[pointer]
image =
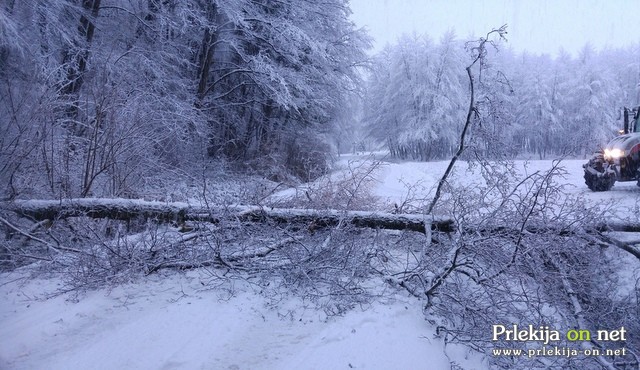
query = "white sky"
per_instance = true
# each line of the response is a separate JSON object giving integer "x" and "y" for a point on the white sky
{"x": 539, "y": 26}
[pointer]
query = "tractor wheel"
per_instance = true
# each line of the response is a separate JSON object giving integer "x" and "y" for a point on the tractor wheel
{"x": 598, "y": 183}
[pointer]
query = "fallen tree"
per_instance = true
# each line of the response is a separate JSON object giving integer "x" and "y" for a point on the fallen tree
{"x": 629, "y": 227}
{"x": 130, "y": 209}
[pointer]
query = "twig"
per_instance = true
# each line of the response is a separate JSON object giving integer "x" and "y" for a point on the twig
{"x": 34, "y": 238}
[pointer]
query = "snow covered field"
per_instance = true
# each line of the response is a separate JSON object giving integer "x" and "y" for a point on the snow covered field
{"x": 183, "y": 321}
{"x": 395, "y": 177}
{"x": 397, "y": 182}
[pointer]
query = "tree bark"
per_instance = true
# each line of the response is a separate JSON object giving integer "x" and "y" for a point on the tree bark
{"x": 127, "y": 209}
{"x": 206, "y": 55}
{"x": 76, "y": 59}
{"x": 86, "y": 30}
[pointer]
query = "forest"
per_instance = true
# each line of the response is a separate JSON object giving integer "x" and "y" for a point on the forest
{"x": 531, "y": 104}
{"x": 98, "y": 97}
{"x": 144, "y": 139}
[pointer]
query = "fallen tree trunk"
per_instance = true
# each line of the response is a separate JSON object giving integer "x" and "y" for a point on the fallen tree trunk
{"x": 629, "y": 227}
{"x": 320, "y": 219}
{"x": 129, "y": 209}
{"x": 115, "y": 209}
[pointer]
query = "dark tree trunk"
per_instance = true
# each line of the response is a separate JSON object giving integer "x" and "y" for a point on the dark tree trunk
{"x": 76, "y": 59}
{"x": 206, "y": 55}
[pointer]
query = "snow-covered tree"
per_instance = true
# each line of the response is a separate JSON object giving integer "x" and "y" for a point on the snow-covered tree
{"x": 416, "y": 97}
{"x": 99, "y": 95}
{"x": 528, "y": 104}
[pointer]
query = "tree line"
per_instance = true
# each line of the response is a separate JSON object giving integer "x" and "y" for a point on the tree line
{"x": 98, "y": 96}
{"x": 528, "y": 105}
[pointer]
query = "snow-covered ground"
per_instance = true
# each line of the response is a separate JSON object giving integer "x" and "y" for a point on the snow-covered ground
{"x": 180, "y": 321}
{"x": 174, "y": 322}
{"x": 396, "y": 182}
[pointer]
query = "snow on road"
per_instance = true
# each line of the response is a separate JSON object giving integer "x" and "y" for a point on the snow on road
{"x": 178, "y": 321}
{"x": 173, "y": 322}
{"x": 397, "y": 182}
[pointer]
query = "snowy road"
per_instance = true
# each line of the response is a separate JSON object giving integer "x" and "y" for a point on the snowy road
{"x": 396, "y": 182}
{"x": 171, "y": 322}
{"x": 175, "y": 321}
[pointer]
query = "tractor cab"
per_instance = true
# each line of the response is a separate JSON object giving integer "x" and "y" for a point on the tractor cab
{"x": 634, "y": 125}
{"x": 619, "y": 160}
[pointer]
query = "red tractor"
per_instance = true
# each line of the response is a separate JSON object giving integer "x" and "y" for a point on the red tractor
{"x": 620, "y": 158}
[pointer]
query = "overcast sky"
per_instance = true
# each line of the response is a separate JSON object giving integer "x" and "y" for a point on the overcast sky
{"x": 539, "y": 26}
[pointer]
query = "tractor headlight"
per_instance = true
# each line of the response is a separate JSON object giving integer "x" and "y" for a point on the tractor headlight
{"x": 613, "y": 153}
